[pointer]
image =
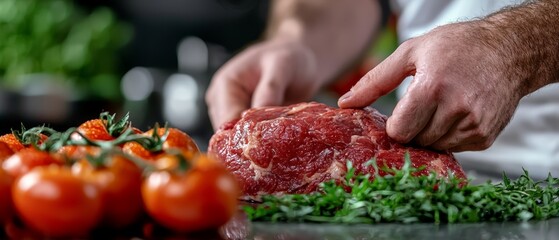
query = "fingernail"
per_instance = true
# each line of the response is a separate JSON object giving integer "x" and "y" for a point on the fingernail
{"x": 346, "y": 96}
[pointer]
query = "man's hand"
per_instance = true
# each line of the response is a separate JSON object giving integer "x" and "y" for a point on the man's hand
{"x": 459, "y": 98}
{"x": 468, "y": 77}
{"x": 274, "y": 72}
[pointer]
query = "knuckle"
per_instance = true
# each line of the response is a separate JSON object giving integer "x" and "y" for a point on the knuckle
{"x": 407, "y": 45}
{"x": 473, "y": 121}
{"x": 405, "y": 49}
{"x": 478, "y": 133}
{"x": 462, "y": 108}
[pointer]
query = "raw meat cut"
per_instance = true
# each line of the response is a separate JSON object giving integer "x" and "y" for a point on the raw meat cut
{"x": 291, "y": 149}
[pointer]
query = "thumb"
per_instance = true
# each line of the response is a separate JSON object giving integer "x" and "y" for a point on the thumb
{"x": 270, "y": 90}
{"x": 379, "y": 81}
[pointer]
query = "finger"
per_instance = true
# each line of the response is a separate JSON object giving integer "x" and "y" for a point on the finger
{"x": 270, "y": 90}
{"x": 380, "y": 80}
{"x": 441, "y": 122}
{"x": 412, "y": 113}
{"x": 462, "y": 137}
{"x": 459, "y": 143}
{"x": 469, "y": 147}
{"x": 226, "y": 100}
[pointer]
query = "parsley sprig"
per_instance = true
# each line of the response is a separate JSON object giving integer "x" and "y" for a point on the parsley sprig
{"x": 405, "y": 198}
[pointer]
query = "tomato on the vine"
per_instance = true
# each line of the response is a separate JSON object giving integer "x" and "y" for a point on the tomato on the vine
{"x": 95, "y": 130}
{"x": 15, "y": 144}
{"x": 119, "y": 181}
{"x": 5, "y": 151}
{"x": 202, "y": 197}
{"x": 27, "y": 159}
{"x": 12, "y": 142}
{"x": 175, "y": 139}
{"x": 78, "y": 152}
{"x": 169, "y": 160}
{"x": 57, "y": 203}
{"x": 105, "y": 128}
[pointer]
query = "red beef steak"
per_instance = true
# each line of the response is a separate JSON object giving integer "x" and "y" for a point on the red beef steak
{"x": 292, "y": 149}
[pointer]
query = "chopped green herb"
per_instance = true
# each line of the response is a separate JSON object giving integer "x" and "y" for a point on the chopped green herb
{"x": 406, "y": 199}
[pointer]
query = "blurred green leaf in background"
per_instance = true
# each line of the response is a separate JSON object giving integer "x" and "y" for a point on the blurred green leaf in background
{"x": 60, "y": 39}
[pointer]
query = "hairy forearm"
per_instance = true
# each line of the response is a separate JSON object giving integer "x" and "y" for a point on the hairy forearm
{"x": 337, "y": 32}
{"x": 527, "y": 39}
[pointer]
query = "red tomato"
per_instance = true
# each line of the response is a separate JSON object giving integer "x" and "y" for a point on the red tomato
{"x": 119, "y": 182}
{"x": 203, "y": 197}
{"x": 78, "y": 152}
{"x": 5, "y": 197}
{"x": 27, "y": 159}
{"x": 57, "y": 203}
{"x": 176, "y": 139}
{"x": 169, "y": 160}
{"x": 105, "y": 128}
{"x": 95, "y": 130}
{"x": 14, "y": 143}
{"x": 136, "y": 150}
{"x": 5, "y": 151}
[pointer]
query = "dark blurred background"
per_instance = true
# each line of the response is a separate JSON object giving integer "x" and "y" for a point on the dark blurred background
{"x": 63, "y": 62}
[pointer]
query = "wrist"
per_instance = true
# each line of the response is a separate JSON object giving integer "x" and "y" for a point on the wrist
{"x": 292, "y": 35}
{"x": 338, "y": 33}
{"x": 526, "y": 41}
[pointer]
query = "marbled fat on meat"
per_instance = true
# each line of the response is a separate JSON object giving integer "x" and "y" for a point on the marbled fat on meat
{"x": 292, "y": 149}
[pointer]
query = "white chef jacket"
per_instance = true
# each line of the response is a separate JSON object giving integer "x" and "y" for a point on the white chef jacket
{"x": 531, "y": 139}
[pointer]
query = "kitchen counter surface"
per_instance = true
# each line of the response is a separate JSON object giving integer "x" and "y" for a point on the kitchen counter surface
{"x": 239, "y": 228}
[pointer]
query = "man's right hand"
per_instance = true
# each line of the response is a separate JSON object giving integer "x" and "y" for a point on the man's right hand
{"x": 274, "y": 72}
